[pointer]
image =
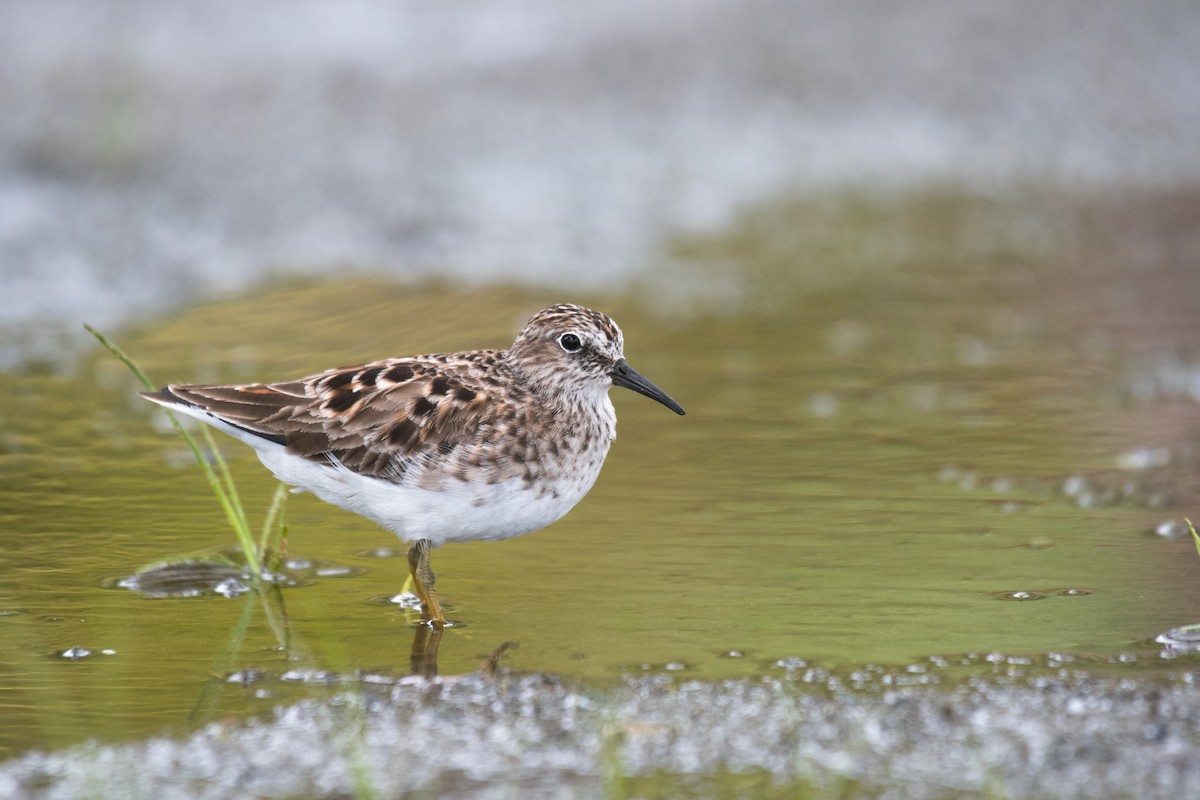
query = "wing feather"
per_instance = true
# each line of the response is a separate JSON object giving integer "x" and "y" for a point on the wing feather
{"x": 379, "y": 419}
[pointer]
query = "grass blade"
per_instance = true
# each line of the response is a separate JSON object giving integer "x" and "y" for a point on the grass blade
{"x": 232, "y": 505}
{"x": 224, "y": 490}
{"x": 124, "y": 359}
{"x": 273, "y": 529}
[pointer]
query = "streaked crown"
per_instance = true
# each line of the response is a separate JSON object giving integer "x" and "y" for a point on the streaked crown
{"x": 569, "y": 347}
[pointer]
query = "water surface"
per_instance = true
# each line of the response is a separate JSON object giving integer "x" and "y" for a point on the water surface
{"x": 904, "y": 415}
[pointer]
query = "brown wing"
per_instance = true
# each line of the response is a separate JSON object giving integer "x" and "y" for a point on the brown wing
{"x": 376, "y": 419}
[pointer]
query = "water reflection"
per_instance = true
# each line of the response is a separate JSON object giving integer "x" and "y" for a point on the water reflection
{"x": 298, "y": 665}
{"x": 426, "y": 640}
{"x": 224, "y": 572}
{"x": 221, "y": 575}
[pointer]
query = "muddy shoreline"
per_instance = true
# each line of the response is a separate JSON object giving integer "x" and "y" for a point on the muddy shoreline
{"x": 1063, "y": 733}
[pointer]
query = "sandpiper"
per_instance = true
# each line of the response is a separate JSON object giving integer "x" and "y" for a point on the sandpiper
{"x": 447, "y": 447}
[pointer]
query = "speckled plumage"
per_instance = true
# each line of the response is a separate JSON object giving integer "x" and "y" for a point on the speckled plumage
{"x": 483, "y": 444}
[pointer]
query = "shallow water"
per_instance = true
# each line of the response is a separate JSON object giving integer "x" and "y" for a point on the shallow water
{"x": 932, "y": 425}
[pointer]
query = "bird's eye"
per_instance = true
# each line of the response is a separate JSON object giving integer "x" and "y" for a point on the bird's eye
{"x": 570, "y": 342}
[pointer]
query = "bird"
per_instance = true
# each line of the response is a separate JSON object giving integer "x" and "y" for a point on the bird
{"x": 479, "y": 445}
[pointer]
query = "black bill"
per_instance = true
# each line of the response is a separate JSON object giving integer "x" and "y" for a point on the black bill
{"x": 630, "y": 378}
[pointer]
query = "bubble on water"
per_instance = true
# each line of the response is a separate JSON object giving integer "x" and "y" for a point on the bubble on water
{"x": 791, "y": 663}
{"x": 309, "y": 676}
{"x": 246, "y": 677}
{"x": 1073, "y": 592}
{"x": 1172, "y": 529}
{"x": 846, "y": 336}
{"x": 1003, "y": 485}
{"x": 1143, "y": 458}
{"x": 1074, "y": 485}
{"x": 406, "y": 600}
{"x": 1185, "y": 639}
{"x": 973, "y": 352}
{"x": 75, "y": 653}
{"x": 949, "y": 474}
{"x": 310, "y": 567}
{"x": 1020, "y": 595}
{"x": 338, "y": 571}
{"x": 231, "y": 588}
{"x": 823, "y": 404}
{"x": 377, "y": 679}
{"x": 669, "y": 666}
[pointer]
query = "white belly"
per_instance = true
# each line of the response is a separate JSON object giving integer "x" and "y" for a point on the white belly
{"x": 460, "y": 511}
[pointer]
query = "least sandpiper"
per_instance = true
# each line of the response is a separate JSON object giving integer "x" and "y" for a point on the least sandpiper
{"x": 449, "y": 447}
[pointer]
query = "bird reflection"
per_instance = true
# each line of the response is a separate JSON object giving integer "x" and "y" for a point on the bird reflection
{"x": 423, "y": 659}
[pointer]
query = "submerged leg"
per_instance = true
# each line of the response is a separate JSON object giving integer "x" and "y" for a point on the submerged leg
{"x": 418, "y": 565}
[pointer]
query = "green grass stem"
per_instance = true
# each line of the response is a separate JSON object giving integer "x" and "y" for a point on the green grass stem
{"x": 223, "y": 486}
{"x": 274, "y": 529}
{"x": 235, "y": 501}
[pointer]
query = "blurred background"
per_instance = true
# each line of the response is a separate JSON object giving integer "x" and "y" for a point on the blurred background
{"x": 154, "y": 153}
{"x": 923, "y": 273}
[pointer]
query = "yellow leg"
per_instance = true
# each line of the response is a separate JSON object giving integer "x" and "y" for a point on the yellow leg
{"x": 418, "y": 565}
